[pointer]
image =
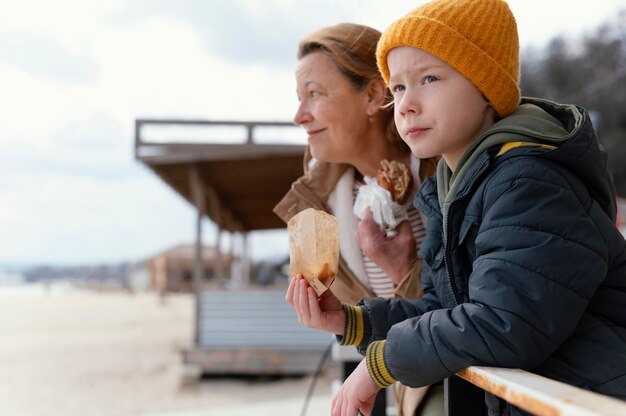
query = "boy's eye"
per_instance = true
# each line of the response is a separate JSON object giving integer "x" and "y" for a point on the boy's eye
{"x": 430, "y": 79}
{"x": 397, "y": 88}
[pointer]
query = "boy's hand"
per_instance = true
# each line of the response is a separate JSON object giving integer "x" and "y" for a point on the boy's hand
{"x": 325, "y": 313}
{"x": 396, "y": 255}
{"x": 358, "y": 393}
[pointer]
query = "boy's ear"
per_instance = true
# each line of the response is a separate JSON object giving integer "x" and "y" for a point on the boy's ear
{"x": 376, "y": 93}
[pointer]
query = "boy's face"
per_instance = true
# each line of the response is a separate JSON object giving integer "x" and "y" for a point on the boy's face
{"x": 437, "y": 110}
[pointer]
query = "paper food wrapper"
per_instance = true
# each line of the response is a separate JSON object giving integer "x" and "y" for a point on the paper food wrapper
{"x": 387, "y": 213}
{"x": 314, "y": 248}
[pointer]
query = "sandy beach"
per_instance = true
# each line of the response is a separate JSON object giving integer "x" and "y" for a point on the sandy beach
{"x": 69, "y": 352}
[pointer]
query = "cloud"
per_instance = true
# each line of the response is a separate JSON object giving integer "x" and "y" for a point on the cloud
{"x": 19, "y": 162}
{"x": 94, "y": 147}
{"x": 77, "y": 219}
{"x": 97, "y": 131}
{"x": 242, "y": 32}
{"x": 41, "y": 56}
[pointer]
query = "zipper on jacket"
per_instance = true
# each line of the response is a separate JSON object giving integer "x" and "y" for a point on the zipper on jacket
{"x": 446, "y": 253}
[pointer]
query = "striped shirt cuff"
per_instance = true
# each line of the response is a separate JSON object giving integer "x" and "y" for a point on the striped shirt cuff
{"x": 356, "y": 326}
{"x": 376, "y": 367}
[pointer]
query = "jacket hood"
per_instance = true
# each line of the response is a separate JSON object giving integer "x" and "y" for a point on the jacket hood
{"x": 566, "y": 129}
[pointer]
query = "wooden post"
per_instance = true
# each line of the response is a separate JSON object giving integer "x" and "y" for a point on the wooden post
{"x": 245, "y": 259}
{"x": 218, "y": 270}
{"x": 236, "y": 268}
{"x": 234, "y": 278}
{"x": 197, "y": 192}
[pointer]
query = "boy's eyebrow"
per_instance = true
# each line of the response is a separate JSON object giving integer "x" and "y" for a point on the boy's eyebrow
{"x": 427, "y": 67}
{"x": 419, "y": 69}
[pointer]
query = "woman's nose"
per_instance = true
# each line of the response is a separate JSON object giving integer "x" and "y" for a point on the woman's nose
{"x": 302, "y": 115}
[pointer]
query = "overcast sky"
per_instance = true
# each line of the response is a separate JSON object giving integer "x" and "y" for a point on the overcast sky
{"x": 74, "y": 75}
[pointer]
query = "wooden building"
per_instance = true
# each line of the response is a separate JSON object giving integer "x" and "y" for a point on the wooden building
{"x": 239, "y": 328}
{"x": 172, "y": 270}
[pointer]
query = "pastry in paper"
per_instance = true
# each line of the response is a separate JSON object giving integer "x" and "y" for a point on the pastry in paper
{"x": 314, "y": 247}
{"x": 396, "y": 178}
{"x": 386, "y": 195}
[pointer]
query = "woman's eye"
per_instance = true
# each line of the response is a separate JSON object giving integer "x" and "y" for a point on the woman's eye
{"x": 313, "y": 94}
{"x": 430, "y": 79}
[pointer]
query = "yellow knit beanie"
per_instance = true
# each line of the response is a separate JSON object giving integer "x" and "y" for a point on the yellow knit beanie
{"x": 478, "y": 38}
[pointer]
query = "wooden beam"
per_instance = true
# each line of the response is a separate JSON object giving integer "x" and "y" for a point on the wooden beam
{"x": 194, "y": 152}
{"x": 540, "y": 395}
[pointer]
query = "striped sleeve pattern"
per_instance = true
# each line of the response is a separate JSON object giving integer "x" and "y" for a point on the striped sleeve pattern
{"x": 357, "y": 328}
{"x": 376, "y": 367}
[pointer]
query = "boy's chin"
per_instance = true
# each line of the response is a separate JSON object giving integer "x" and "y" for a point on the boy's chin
{"x": 422, "y": 153}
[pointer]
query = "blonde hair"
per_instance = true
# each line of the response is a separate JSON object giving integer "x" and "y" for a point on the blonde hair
{"x": 353, "y": 49}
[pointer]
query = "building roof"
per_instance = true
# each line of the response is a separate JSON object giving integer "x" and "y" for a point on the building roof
{"x": 241, "y": 183}
{"x": 184, "y": 255}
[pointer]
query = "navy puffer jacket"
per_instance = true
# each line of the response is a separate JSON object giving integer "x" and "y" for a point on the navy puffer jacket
{"x": 532, "y": 274}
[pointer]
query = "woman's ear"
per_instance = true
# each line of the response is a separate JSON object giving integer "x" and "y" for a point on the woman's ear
{"x": 376, "y": 93}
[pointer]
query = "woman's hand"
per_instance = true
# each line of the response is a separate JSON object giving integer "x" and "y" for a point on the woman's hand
{"x": 324, "y": 313}
{"x": 357, "y": 393}
{"x": 395, "y": 255}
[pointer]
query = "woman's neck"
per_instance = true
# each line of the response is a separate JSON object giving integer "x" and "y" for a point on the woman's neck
{"x": 367, "y": 162}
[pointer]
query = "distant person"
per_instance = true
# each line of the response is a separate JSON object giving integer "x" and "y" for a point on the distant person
{"x": 523, "y": 265}
{"x": 345, "y": 110}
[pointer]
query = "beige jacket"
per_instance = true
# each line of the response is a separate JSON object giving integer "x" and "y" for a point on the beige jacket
{"x": 328, "y": 187}
{"x": 317, "y": 188}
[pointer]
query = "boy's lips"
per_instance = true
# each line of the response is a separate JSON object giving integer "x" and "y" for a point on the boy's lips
{"x": 416, "y": 131}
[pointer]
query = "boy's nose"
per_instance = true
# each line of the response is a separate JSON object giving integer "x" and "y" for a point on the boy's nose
{"x": 408, "y": 104}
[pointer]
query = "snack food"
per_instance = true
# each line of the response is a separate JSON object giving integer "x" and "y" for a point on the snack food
{"x": 396, "y": 178}
{"x": 386, "y": 196}
{"x": 314, "y": 248}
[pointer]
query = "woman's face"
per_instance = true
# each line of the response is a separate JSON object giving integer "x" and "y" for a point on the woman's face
{"x": 331, "y": 110}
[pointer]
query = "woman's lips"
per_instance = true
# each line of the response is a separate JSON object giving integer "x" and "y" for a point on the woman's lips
{"x": 312, "y": 133}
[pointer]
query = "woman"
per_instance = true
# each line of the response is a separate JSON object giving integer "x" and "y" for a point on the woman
{"x": 345, "y": 110}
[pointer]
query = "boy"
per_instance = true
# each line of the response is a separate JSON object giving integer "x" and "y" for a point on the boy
{"x": 523, "y": 266}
